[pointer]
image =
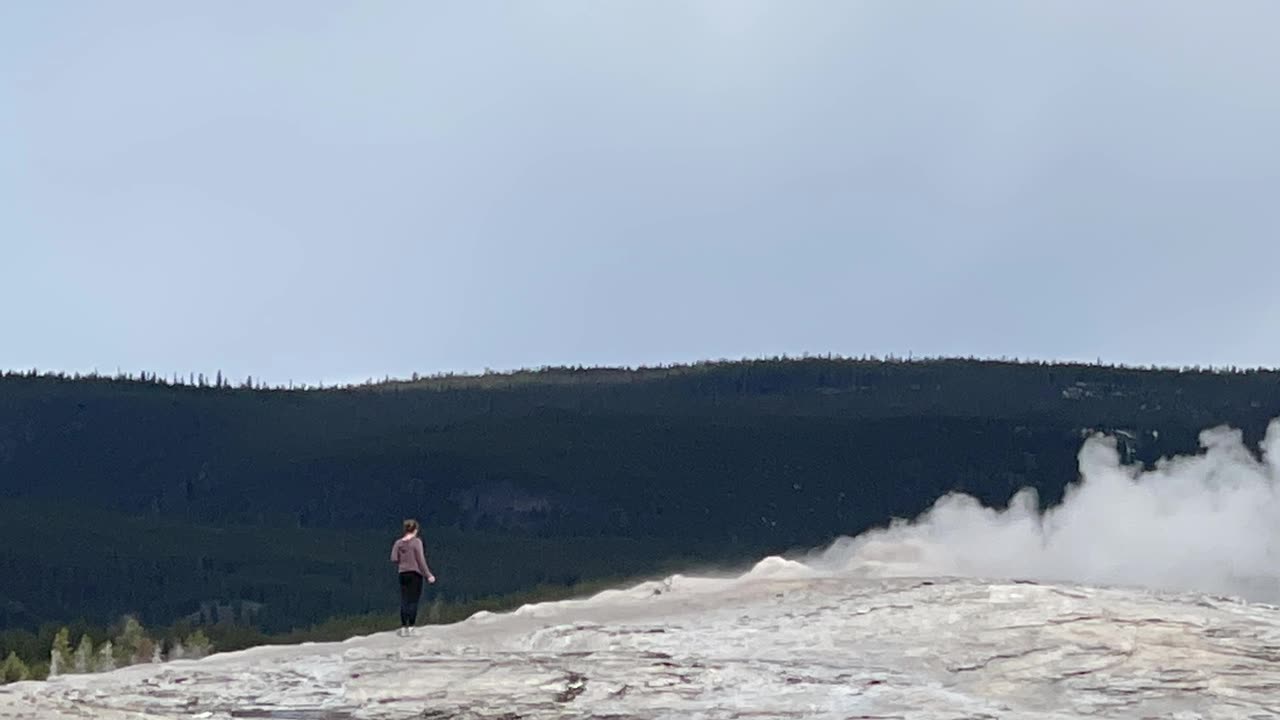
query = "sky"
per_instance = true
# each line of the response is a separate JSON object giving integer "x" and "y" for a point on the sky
{"x": 329, "y": 191}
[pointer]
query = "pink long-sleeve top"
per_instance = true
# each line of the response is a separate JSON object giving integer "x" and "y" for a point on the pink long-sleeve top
{"x": 409, "y": 556}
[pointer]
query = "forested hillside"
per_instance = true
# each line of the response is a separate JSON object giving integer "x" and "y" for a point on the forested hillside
{"x": 274, "y": 507}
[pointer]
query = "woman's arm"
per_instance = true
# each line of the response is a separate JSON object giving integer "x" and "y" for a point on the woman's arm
{"x": 421, "y": 556}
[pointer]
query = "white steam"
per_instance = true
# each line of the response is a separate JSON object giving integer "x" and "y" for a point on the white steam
{"x": 1208, "y": 522}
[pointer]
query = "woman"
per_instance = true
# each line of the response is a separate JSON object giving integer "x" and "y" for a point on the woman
{"x": 411, "y": 560}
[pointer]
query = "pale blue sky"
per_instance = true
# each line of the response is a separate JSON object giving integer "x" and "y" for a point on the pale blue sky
{"x": 325, "y": 191}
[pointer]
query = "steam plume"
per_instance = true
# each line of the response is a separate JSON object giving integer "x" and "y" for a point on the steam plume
{"x": 1208, "y": 522}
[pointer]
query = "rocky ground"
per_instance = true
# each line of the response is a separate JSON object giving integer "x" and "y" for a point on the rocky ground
{"x": 780, "y": 642}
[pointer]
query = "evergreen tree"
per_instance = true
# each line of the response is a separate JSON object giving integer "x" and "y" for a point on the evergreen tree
{"x": 83, "y": 660}
{"x": 60, "y": 654}
{"x": 106, "y": 658}
{"x": 197, "y": 645}
{"x": 133, "y": 646}
{"x": 13, "y": 670}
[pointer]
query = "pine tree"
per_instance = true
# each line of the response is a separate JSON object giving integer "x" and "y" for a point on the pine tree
{"x": 197, "y": 645}
{"x": 83, "y": 660}
{"x": 106, "y": 658}
{"x": 133, "y": 645}
{"x": 60, "y": 653}
{"x": 145, "y": 653}
{"x": 13, "y": 670}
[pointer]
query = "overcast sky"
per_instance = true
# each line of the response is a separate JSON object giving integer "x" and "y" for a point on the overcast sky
{"x": 325, "y": 191}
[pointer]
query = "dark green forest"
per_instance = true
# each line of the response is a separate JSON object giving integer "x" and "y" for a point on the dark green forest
{"x": 271, "y": 509}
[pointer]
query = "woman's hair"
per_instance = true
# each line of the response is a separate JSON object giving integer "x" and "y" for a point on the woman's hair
{"x": 410, "y": 526}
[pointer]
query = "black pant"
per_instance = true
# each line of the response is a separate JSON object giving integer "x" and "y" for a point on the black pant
{"x": 410, "y": 592}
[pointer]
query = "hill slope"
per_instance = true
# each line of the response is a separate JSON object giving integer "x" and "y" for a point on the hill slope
{"x": 120, "y": 496}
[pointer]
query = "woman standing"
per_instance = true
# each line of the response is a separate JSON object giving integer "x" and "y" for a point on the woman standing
{"x": 411, "y": 559}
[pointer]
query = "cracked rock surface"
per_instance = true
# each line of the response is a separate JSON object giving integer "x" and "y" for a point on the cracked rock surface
{"x": 768, "y": 645}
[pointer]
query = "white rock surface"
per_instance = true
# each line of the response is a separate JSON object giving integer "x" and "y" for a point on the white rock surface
{"x": 780, "y": 642}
